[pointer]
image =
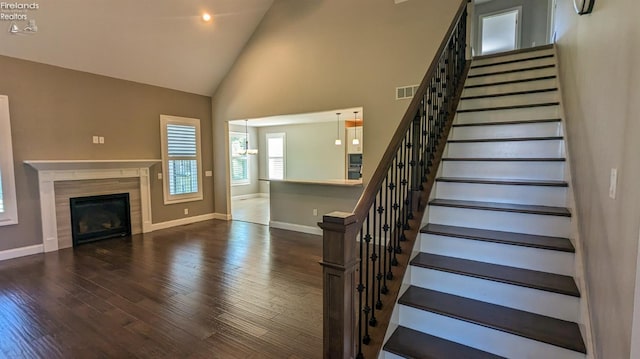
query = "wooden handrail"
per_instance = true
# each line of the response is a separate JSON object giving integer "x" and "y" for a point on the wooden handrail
{"x": 368, "y": 195}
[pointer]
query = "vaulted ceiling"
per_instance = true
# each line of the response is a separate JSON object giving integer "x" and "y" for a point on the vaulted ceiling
{"x": 158, "y": 42}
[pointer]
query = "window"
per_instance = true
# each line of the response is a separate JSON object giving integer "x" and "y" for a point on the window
{"x": 8, "y": 203}
{"x": 275, "y": 155}
{"x": 181, "y": 159}
{"x": 239, "y": 158}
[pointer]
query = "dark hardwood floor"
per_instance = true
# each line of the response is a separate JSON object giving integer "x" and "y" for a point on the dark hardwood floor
{"x": 213, "y": 289}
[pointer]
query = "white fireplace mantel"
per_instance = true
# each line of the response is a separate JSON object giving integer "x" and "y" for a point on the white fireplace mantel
{"x": 50, "y": 171}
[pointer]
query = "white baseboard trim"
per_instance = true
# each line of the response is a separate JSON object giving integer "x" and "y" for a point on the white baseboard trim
{"x": 222, "y": 216}
{"x": 296, "y": 227}
{"x": 250, "y": 196}
{"x": 182, "y": 221}
{"x": 21, "y": 252}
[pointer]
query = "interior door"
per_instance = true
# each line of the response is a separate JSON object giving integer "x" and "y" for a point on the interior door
{"x": 500, "y": 31}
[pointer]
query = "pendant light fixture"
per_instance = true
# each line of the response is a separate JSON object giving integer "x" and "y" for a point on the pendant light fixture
{"x": 338, "y": 140}
{"x": 246, "y": 150}
{"x": 355, "y": 141}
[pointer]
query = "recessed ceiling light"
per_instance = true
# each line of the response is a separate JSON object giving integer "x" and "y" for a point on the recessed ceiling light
{"x": 206, "y": 17}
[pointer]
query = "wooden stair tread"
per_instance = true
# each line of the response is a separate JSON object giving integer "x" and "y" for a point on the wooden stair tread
{"x": 518, "y": 239}
{"x": 410, "y": 343}
{"x": 507, "y": 62}
{"x": 503, "y": 207}
{"x": 498, "y": 123}
{"x": 514, "y": 107}
{"x": 508, "y": 82}
{"x": 508, "y": 182}
{"x": 504, "y": 94}
{"x": 507, "y": 159}
{"x": 549, "y": 282}
{"x": 532, "y": 68}
{"x": 537, "y": 327}
{"x": 509, "y": 139}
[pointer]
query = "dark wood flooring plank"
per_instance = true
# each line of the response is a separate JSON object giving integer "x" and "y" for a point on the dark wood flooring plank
{"x": 213, "y": 289}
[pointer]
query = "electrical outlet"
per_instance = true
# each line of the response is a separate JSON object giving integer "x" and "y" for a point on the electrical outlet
{"x": 315, "y": 211}
{"x": 613, "y": 183}
{"x": 96, "y": 139}
{"x": 101, "y": 139}
{"x": 159, "y": 175}
{"x": 208, "y": 173}
{"x": 186, "y": 211}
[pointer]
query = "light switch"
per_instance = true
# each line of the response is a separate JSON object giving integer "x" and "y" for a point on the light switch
{"x": 613, "y": 183}
{"x": 101, "y": 139}
{"x": 159, "y": 175}
{"x": 96, "y": 140}
{"x": 208, "y": 173}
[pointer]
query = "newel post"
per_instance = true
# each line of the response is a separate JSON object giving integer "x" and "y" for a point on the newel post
{"x": 339, "y": 263}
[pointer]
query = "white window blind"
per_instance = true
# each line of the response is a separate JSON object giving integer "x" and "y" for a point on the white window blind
{"x": 181, "y": 158}
{"x": 239, "y": 158}
{"x": 8, "y": 202}
{"x": 275, "y": 155}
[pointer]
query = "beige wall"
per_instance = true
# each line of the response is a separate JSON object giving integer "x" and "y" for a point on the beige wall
{"x": 311, "y": 153}
{"x": 54, "y": 113}
{"x": 294, "y": 203}
{"x": 310, "y": 56}
{"x": 601, "y": 87}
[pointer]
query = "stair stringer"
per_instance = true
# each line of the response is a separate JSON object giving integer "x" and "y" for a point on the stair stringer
{"x": 580, "y": 269}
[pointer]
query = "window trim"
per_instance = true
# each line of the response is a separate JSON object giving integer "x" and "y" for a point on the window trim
{"x": 282, "y": 135}
{"x": 9, "y": 199}
{"x": 187, "y": 197}
{"x": 239, "y": 182}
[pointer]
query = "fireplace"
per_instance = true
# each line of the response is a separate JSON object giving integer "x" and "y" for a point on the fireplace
{"x": 99, "y": 217}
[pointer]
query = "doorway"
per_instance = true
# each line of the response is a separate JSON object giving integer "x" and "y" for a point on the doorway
{"x": 500, "y": 31}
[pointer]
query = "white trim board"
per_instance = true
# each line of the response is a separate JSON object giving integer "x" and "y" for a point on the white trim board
{"x": 635, "y": 326}
{"x": 296, "y": 227}
{"x": 249, "y": 196}
{"x": 21, "y": 252}
{"x": 182, "y": 221}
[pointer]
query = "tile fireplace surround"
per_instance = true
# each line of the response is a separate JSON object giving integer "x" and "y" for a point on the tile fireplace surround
{"x": 50, "y": 172}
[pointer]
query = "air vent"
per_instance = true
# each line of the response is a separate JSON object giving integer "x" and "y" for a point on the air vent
{"x": 406, "y": 92}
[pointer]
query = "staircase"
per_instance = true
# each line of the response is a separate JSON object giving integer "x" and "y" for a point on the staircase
{"x": 494, "y": 273}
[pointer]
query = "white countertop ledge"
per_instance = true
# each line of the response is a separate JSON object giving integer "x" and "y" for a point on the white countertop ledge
{"x": 336, "y": 182}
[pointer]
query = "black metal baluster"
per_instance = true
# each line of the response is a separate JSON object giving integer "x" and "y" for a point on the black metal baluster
{"x": 387, "y": 253}
{"x": 367, "y": 308}
{"x": 381, "y": 247}
{"x": 374, "y": 257}
{"x": 360, "y": 288}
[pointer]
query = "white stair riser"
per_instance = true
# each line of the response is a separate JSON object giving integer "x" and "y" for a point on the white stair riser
{"x": 524, "y": 55}
{"x": 511, "y": 76}
{"x": 512, "y": 66}
{"x": 513, "y": 100}
{"x": 518, "y": 114}
{"x": 506, "y": 149}
{"x": 506, "y": 88}
{"x": 497, "y": 253}
{"x": 545, "y": 225}
{"x": 531, "y": 300}
{"x": 483, "y": 338}
{"x": 537, "y": 195}
{"x": 545, "y": 129}
{"x": 504, "y": 170}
